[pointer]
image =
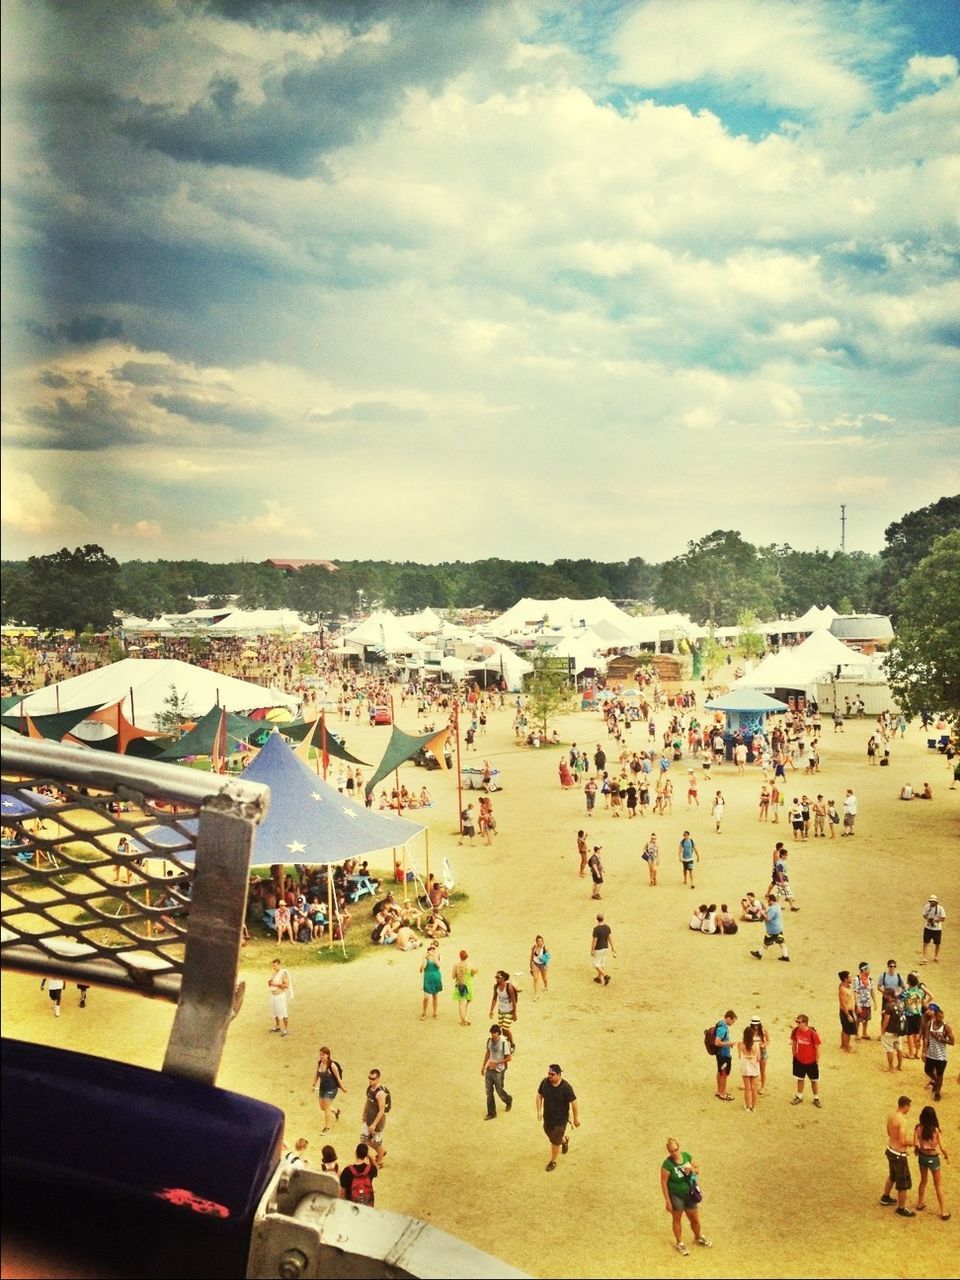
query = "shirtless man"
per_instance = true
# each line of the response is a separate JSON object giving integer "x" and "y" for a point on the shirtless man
{"x": 848, "y": 1011}
{"x": 898, "y": 1145}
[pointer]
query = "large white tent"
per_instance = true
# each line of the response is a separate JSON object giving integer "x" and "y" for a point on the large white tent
{"x": 802, "y": 665}
{"x": 527, "y": 614}
{"x": 260, "y": 622}
{"x": 142, "y": 687}
{"x": 385, "y": 632}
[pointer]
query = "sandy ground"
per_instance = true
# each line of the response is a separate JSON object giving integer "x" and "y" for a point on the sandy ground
{"x": 788, "y": 1191}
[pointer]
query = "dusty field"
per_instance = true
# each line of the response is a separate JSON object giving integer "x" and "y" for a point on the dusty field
{"x": 788, "y": 1191}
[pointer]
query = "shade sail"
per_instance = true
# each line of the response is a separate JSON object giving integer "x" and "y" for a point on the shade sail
{"x": 404, "y": 746}
{"x": 200, "y": 740}
{"x": 52, "y": 726}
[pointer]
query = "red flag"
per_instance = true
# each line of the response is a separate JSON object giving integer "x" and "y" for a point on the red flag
{"x": 219, "y": 752}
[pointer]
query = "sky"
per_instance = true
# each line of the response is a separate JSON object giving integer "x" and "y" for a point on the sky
{"x": 435, "y": 280}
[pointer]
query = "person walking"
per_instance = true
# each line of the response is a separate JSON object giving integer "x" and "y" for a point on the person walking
{"x": 724, "y": 1054}
{"x": 280, "y": 994}
{"x": 432, "y": 980}
{"x": 539, "y": 963}
{"x": 928, "y": 1144}
{"x": 682, "y": 1194}
{"x": 933, "y": 918}
{"x": 582, "y": 851}
{"x": 936, "y": 1035}
{"x": 356, "y": 1180}
{"x": 898, "y": 1164}
{"x": 328, "y": 1081}
{"x": 55, "y": 987}
{"x": 595, "y": 863}
{"x": 805, "y": 1042}
{"x": 651, "y": 856}
{"x": 688, "y": 853}
{"x": 504, "y": 1001}
{"x": 719, "y": 805}
{"x": 376, "y": 1103}
{"x": 773, "y": 929}
{"x": 556, "y": 1103}
{"x": 496, "y": 1059}
{"x": 463, "y": 976}
{"x": 600, "y": 943}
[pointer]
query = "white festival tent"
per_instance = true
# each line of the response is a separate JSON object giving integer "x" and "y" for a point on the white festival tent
{"x": 142, "y": 686}
{"x": 815, "y": 619}
{"x": 801, "y": 666}
{"x": 503, "y": 661}
{"x": 586, "y": 648}
{"x": 527, "y": 614}
{"x": 426, "y": 622}
{"x": 385, "y": 632}
{"x": 260, "y": 622}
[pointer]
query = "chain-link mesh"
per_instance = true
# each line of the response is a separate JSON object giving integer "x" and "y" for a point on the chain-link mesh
{"x": 131, "y": 874}
{"x": 104, "y": 874}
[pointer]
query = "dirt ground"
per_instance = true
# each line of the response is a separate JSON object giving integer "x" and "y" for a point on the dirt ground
{"x": 788, "y": 1191}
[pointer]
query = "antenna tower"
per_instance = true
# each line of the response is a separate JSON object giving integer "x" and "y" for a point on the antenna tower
{"x": 843, "y": 529}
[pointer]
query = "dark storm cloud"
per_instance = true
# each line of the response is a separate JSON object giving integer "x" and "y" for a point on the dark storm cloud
{"x": 212, "y": 412}
{"x": 367, "y": 411}
{"x": 143, "y": 373}
{"x": 88, "y": 425}
{"x": 79, "y": 331}
{"x": 56, "y": 381}
{"x": 326, "y": 103}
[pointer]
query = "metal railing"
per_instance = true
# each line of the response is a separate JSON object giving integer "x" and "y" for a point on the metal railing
{"x": 130, "y": 874}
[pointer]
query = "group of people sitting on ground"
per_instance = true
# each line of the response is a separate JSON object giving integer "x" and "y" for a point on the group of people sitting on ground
{"x": 405, "y": 799}
{"x": 707, "y": 919}
{"x": 396, "y": 923}
{"x": 908, "y": 792}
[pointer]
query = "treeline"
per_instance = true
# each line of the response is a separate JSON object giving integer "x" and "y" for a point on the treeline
{"x": 718, "y": 578}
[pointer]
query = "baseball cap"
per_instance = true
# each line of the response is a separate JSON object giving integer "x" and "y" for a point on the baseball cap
{"x": 933, "y": 898}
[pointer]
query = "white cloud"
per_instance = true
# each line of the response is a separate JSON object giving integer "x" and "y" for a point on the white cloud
{"x": 797, "y": 56}
{"x": 922, "y": 70}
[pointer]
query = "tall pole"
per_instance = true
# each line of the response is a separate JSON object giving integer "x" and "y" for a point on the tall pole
{"x": 843, "y": 528}
{"x": 456, "y": 728}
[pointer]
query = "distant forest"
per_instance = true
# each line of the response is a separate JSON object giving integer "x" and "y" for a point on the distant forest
{"x": 720, "y": 578}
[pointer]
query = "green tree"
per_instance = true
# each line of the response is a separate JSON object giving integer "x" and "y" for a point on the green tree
{"x": 717, "y": 577}
{"x": 176, "y": 711}
{"x": 751, "y": 643}
{"x": 908, "y": 541}
{"x": 314, "y": 593}
{"x": 73, "y": 590}
{"x": 923, "y": 664}
{"x": 547, "y": 685}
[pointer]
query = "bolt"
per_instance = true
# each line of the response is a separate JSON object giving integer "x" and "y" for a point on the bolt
{"x": 292, "y": 1264}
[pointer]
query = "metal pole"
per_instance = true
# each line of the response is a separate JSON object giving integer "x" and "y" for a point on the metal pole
{"x": 456, "y": 726}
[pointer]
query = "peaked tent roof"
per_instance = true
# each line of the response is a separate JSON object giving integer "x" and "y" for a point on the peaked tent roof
{"x": 745, "y": 699}
{"x": 311, "y": 822}
{"x": 404, "y": 746}
{"x": 802, "y": 665}
{"x": 52, "y": 726}
{"x": 559, "y": 613}
{"x": 815, "y": 619}
{"x": 150, "y": 679}
{"x": 384, "y": 631}
{"x": 199, "y": 741}
{"x": 308, "y": 821}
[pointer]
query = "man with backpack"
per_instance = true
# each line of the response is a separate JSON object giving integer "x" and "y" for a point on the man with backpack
{"x": 356, "y": 1181}
{"x": 376, "y": 1104}
{"x": 724, "y": 1053}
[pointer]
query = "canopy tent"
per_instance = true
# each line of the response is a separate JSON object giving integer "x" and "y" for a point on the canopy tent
{"x": 308, "y": 821}
{"x": 585, "y": 647}
{"x": 142, "y": 688}
{"x": 802, "y": 665}
{"x": 403, "y": 746}
{"x": 815, "y": 619}
{"x": 53, "y": 726}
{"x": 529, "y": 614}
{"x": 312, "y": 731}
{"x": 200, "y": 741}
{"x": 260, "y": 622}
{"x": 745, "y": 699}
{"x": 426, "y": 622}
{"x": 506, "y": 664}
{"x": 384, "y": 632}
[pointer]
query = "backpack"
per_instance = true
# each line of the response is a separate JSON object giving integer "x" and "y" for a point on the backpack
{"x": 388, "y": 1100}
{"x": 710, "y": 1040}
{"x": 361, "y": 1188}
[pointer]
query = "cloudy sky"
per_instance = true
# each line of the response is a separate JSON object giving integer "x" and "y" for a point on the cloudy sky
{"x": 438, "y": 280}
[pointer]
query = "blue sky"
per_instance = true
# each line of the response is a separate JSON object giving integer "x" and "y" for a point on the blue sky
{"x": 439, "y": 281}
